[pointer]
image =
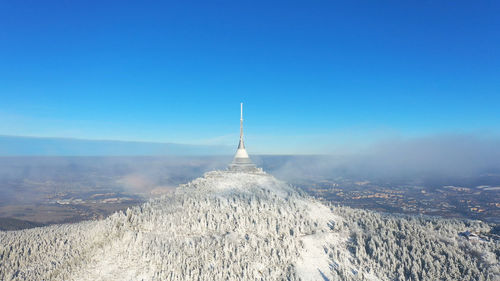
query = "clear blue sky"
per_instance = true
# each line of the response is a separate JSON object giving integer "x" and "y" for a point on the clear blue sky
{"x": 325, "y": 72}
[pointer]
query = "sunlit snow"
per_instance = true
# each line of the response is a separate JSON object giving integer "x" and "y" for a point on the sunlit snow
{"x": 241, "y": 226}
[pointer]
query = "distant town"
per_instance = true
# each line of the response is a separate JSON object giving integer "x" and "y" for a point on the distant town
{"x": 477, "y": 202}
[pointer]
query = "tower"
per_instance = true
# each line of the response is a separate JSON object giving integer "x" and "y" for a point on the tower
{"x": 241, "y": 161}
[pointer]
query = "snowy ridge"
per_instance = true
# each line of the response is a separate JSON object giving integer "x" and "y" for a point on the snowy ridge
{"x": 242, "y": 226}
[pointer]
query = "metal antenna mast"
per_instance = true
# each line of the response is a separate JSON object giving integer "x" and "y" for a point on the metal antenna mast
{"x": 241, "y": 144}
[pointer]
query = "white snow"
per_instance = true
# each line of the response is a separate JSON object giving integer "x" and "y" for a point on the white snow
{"x": 223, "y": 226}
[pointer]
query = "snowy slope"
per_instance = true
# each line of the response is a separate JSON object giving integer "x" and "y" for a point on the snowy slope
{"x": 224, "y": 226}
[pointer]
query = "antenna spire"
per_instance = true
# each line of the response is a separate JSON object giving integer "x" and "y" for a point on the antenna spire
{"x": 241, "y": 144}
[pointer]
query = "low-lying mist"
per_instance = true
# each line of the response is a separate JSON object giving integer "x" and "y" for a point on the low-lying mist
{"x": 67, "y": 189}
{"x": 430, "y": 160}
{"x": 458, "y": 160}
{"x": 27, "y": 178}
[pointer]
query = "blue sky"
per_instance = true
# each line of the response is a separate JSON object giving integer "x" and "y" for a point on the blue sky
{"x": 338, "y": 75}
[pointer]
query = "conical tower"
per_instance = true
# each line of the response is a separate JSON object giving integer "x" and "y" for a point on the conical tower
{"x": 241, "y": 161}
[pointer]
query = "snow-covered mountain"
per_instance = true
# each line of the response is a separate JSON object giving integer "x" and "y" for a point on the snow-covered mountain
{"x": 248, "y": 226}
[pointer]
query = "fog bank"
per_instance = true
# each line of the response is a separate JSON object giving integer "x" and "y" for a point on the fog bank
{"x": 436, "y": 157}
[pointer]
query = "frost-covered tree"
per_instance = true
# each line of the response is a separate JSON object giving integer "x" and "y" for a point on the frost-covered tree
{"x": 248, "y": 226}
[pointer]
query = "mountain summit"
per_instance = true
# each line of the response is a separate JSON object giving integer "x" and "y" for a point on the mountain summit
{"x": 231, "y": 225}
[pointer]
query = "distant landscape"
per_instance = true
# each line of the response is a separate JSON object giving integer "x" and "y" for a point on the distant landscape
{"x": 45, "y": 190}
{"x": 37, "y": 146}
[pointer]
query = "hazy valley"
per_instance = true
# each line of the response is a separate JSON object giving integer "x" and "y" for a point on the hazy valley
{"x": 46, "y": 190}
